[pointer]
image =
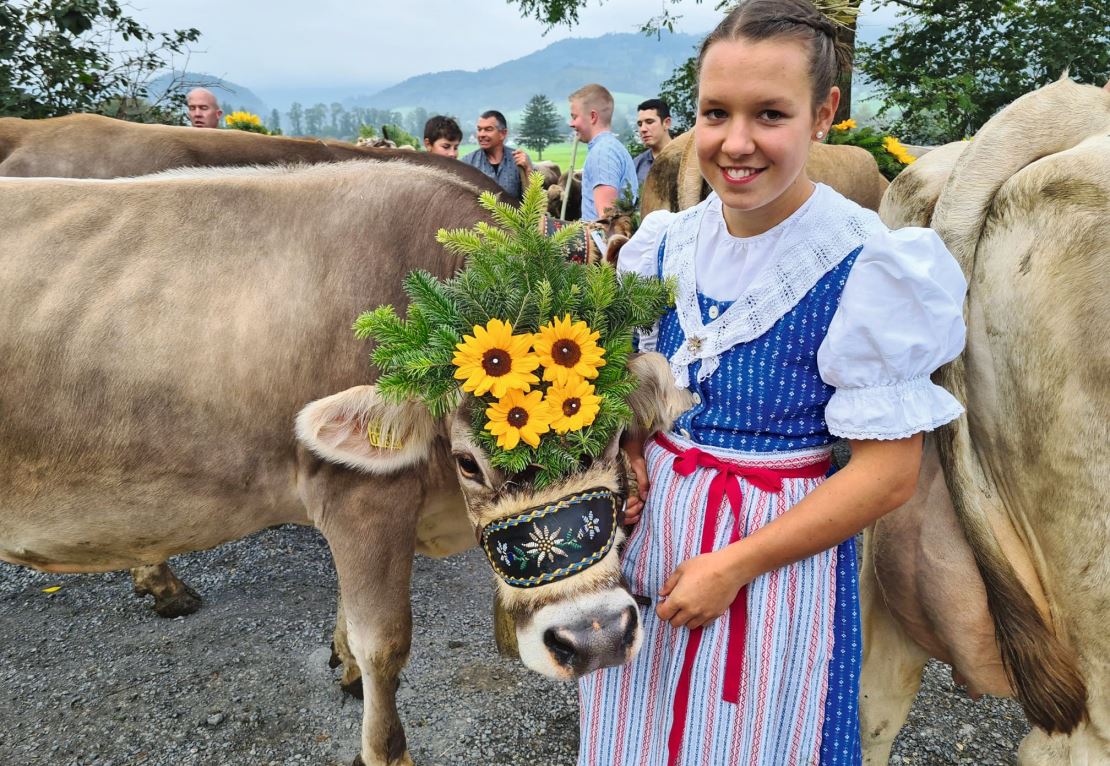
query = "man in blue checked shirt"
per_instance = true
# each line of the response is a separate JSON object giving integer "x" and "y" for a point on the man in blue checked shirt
{"x": 609, "y": 169}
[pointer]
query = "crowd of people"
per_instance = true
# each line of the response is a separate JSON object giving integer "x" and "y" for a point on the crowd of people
{"x": 609, "y": 170}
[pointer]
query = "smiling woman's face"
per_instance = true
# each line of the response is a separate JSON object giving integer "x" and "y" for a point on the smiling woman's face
{"x": 754, "y": 127}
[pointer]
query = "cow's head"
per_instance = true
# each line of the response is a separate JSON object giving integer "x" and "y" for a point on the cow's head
{"x": 555, "y": 549}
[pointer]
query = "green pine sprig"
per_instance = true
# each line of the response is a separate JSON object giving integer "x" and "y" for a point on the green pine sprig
{"x": 516, "y": 273}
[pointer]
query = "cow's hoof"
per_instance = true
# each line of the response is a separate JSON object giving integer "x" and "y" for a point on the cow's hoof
{"x": 334, "y": 661}
{"x": 353, "y": 688}
{"x": 180, "y": 604}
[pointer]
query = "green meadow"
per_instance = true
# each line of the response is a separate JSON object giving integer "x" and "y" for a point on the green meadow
{"x": 557, "y": 153}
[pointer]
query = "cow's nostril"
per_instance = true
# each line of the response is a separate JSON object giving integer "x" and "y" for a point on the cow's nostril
{"x": 631, "y": 620}
{"x": 561, "y": 645}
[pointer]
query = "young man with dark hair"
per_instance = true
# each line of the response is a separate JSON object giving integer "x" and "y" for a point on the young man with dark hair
{"x": 497, "y": 159}
{"x": 442, "y": 135}
{"x": 653, "y": 120}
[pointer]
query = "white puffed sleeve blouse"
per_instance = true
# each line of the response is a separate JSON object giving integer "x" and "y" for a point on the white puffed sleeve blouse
{"x": 900, "y": 318}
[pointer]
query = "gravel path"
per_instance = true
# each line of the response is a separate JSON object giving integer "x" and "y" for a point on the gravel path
{"x": 90, "y": 676}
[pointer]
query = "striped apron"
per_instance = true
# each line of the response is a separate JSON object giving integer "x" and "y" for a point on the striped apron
{"x": 729, "y": 693}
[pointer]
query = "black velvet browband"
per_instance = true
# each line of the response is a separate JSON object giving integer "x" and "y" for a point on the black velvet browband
{"x": 552, "y": 542}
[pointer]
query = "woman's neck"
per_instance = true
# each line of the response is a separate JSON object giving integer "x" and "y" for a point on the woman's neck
{"x": 750, "y": 223}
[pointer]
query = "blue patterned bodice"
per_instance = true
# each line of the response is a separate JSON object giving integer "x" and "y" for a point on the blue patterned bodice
{"x": 767, "y": 395}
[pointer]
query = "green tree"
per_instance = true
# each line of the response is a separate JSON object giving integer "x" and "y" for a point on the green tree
{"x": 947, "y": 66}
{"x": 275, "y": 122}
{"x": 416, "y": 119}
{"x": 63, "y": 56}
{"x": 314, "y": 118}
{"x": 296, "y": 118}
{"x": 680, "y": 91}
{"x": 540, "y": 126}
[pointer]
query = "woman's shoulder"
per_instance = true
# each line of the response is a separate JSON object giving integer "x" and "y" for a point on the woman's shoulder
{"x": 640, "y": 253}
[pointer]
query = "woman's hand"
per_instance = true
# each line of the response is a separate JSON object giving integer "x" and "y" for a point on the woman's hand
{"x": 634, "y": 506}
{"x": 701, "y": 589}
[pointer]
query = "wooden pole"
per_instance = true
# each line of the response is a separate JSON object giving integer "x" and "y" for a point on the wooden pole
{"x": 570, "y": 178}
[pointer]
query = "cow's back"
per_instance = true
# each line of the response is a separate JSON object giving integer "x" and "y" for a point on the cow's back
{"x": 161, "y": 334}
{"x": 92, "y": 146}
{"x": 675, "y": 181}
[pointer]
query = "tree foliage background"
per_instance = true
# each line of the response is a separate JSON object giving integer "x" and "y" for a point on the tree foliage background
{"x": 945, "y": 68}
{"x": 948, "y": 65}
{"x": 63, "y": 56}
{"x": 541, "y": 125}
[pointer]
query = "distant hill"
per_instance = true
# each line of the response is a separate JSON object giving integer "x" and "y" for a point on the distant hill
{"x": 632, "y": 64}
{"x": 231, "y": 95}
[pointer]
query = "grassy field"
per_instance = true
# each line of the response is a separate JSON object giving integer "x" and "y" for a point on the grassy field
{"x": 557, "y": 153}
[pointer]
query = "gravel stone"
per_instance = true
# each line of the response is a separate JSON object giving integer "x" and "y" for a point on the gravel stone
{"x": 90, "y": 676}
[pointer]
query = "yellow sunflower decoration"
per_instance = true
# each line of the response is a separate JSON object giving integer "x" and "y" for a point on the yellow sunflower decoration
{"x": 474, "y": 342}
{"x": 573, "y": 406}
{"x": 494, "y": 360}
{"x": 568, "y": 351}
{"x": 517, "y": 417}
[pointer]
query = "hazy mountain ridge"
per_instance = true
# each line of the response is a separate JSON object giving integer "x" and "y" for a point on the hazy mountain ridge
{"x": 231, "y": 95}
{"x": 629, "y": 63}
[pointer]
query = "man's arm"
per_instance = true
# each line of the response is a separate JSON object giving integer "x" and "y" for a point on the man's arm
{"x": 605, "y": 197}
{"x": 522, "y": 160}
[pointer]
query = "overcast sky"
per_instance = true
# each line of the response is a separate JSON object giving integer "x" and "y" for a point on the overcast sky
{"x": 342, "y": 43}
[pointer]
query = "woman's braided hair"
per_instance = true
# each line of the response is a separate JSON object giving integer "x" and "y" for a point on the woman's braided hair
{"x": 798, "y": 19}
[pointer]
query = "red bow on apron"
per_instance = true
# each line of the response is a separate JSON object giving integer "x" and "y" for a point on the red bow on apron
{"x": 725, "y": 484}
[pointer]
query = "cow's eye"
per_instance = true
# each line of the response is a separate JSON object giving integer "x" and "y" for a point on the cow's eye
{"x": 468, "y": 466}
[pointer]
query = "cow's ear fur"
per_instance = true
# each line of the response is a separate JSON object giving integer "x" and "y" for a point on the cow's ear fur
{"x": 657, "y": 401}
{"x": 358, "y": 428}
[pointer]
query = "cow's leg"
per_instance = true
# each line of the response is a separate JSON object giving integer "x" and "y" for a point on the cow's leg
{"x": 351, "y": 680}
{"x": 370, "y": 525}
{"x": 892, "y": 667}
{"x": 172, "y": 598}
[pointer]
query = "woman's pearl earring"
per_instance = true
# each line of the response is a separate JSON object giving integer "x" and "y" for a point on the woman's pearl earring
{"x": 820, "y": 134}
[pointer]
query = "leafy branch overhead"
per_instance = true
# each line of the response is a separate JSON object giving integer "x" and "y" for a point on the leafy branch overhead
{"x": 518, "y": 281}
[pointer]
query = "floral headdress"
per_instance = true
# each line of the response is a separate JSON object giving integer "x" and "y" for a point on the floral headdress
{"x": 540, "y": 341}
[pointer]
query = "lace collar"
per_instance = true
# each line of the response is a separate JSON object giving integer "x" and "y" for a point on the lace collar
{"x": 813, "y": 243}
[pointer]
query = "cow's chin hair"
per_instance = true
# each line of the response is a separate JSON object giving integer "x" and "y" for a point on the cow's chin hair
{"x": 530, "y": 634}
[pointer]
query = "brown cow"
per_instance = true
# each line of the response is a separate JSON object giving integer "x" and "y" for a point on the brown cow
{"x": 1000, "y": 565}
{"x": 91, "y": 146}
{"x": 675, "y": 182}
{"x": 149, "y": 392}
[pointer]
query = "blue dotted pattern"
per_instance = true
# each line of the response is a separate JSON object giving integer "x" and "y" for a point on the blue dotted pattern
{"x": 840, "y": 737}
{"x": 767, "y": 394}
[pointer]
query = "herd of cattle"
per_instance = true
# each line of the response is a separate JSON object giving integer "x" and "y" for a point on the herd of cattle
{"x": 179, "y": 371}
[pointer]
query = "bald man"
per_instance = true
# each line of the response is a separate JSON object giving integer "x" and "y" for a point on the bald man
{"x": 204, "y": 110}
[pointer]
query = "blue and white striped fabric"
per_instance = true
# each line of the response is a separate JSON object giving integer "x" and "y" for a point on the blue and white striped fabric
{"x": 627, "y": 711}
{"x": 607, "y": 164}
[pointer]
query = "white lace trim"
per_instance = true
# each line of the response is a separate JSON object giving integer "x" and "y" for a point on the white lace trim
{"x": 894, "y": 411}
{"x": 813, "y": 244}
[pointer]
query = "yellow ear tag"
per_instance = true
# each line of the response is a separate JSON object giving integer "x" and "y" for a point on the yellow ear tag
{"x": 374, "y": 435}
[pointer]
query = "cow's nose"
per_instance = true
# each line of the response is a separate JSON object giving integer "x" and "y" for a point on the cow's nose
{"x": 599, "y": 642}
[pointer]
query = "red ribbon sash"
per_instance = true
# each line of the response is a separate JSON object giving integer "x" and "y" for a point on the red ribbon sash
{"x": 725, "y": 484}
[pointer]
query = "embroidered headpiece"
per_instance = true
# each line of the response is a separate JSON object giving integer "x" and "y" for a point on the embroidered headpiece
{"x": 540, "y": 341}
{"x": 549, "y": 543}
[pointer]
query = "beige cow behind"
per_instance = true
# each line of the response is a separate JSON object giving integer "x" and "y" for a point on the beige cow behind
{"x": 675, "y": 182}
{"x": 1000, "y": 565}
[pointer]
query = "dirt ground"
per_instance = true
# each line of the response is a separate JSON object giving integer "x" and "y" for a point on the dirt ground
{"x": 90, "y": 676}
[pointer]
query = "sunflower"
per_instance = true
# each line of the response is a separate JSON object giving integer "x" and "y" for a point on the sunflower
{"x": 848, "y": 124}
{"x": 573, "y": 406}
{"x": 516, "y": 416}
{"x": 899, "y": 152}
{"x": 493, "y": 359}
{"x": 568, "y": 351}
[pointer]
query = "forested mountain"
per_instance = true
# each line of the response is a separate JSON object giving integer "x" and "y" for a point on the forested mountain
{"x": 231, "y": 95}
{"x": 625, "y": 63}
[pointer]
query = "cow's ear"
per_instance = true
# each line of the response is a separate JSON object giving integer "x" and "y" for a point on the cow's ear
{"x": 360, "y": 429}
{"x": 657, "y": 401}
